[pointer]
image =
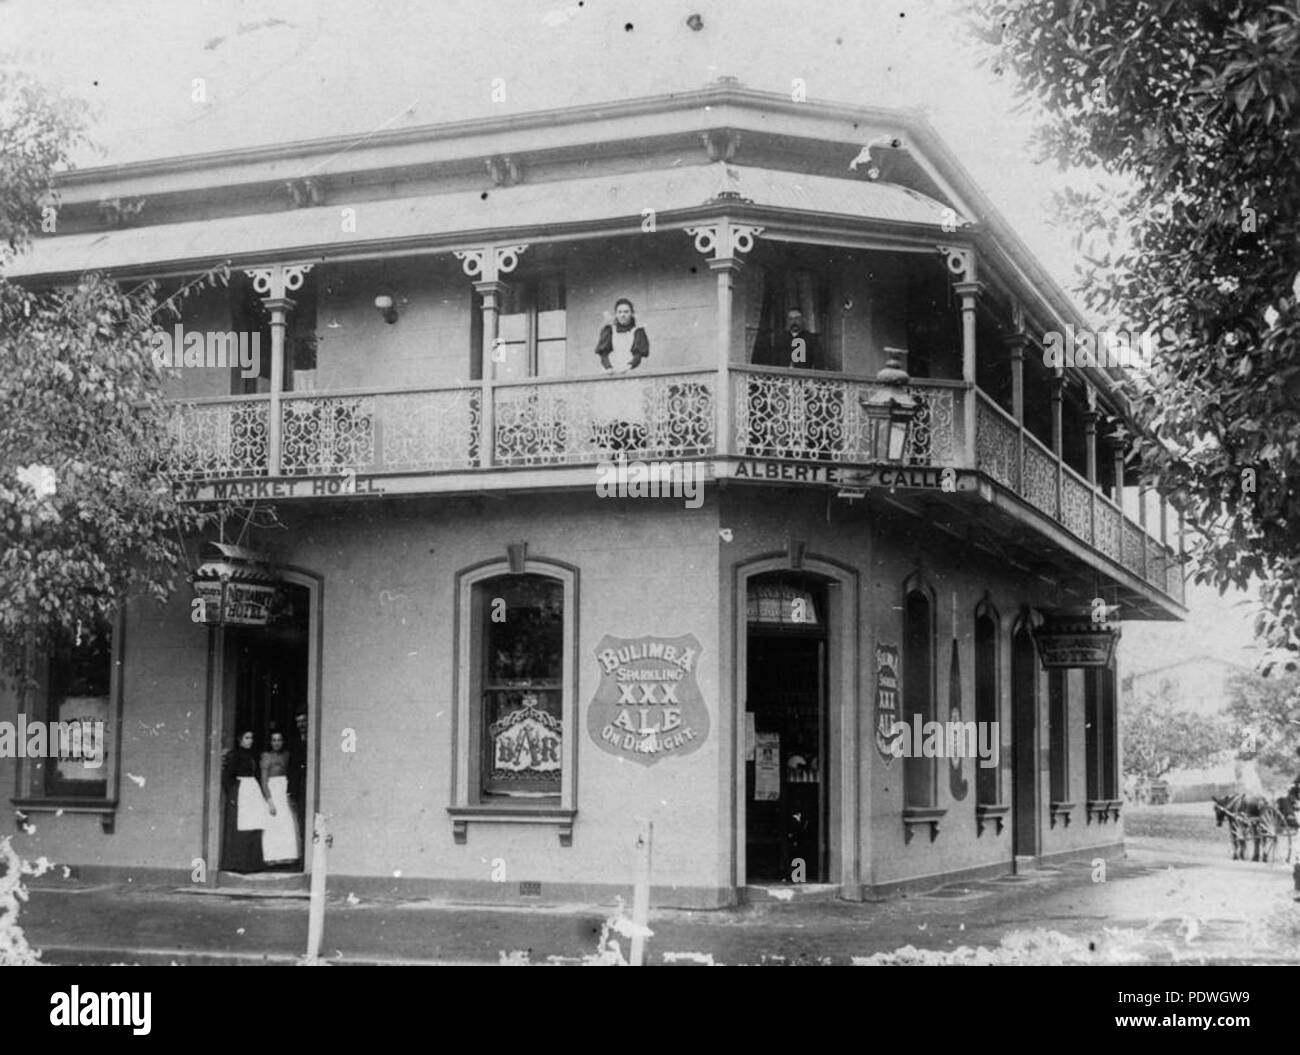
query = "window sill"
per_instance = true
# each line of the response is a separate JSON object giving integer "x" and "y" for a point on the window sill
{"x": 991, "y": 813}
{"x": 106, "y": 808}
{"x": 1061, "y": 811}
{"x": 1103, "y": 810}
{"x": 514, "y": 813}
{"x": 914, "y": 816}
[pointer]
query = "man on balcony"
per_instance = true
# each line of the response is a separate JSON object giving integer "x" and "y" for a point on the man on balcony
{"x": 795, "y": 346}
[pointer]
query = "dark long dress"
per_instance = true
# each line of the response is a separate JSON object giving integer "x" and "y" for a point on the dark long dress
{"x": 240, "y": 851}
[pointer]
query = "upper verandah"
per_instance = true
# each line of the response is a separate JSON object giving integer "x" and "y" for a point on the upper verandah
{"x": 577, "y": 172}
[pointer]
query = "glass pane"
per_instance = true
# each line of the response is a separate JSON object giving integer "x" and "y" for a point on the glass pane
{"x": 80, "y": 676}
{"x": 510, "y": 361}
{"x": 550, "y": 325}
{"x": 513, "y": 328}
{"x": 550, "y": 358}
{"x": 523, "y": 643}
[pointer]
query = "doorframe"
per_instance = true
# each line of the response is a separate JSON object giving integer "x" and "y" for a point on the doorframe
{"x": 213, "y": 817}
{"x": 843, "y": 734}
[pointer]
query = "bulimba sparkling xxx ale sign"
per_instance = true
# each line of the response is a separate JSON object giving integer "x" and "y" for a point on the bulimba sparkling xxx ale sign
{"x": 648, "y": 704}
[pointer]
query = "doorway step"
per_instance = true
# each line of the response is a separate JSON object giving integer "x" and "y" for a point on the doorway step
{"x": 770, "y": 892}
{"x": 264, "y": 884}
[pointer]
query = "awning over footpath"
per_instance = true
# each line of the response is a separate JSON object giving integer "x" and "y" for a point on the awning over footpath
{"x": 437, "y": 219}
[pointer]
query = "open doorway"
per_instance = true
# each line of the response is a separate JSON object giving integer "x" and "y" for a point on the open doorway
{"x": 786, "y": 772}
{"x": 265, "y": 710}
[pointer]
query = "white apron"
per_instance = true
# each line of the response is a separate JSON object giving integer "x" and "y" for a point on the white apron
{"x": 620, "y": 398}
{"x": 251, "y": 813}
{"x": 280, "y": 838}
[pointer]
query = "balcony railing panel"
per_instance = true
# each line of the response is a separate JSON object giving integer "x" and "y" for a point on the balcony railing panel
{"x": 820, "y": 417}
{"x": 1174, "y": 584}
{"x": 327, "y": 434}
{"x": 1133, "y": 543}
{"x": 1155, "y": 570}
{"x": 1108, "y": 527}
{"x": 1076, "y": 505}
{"x": 215, "y": 439}
{"x": 568, "y": 422}
{"x": 1040, "y": 477}
{"x": 997, "y": 445}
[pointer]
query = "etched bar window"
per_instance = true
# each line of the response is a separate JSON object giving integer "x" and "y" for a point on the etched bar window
{"x": 522, "y": 665}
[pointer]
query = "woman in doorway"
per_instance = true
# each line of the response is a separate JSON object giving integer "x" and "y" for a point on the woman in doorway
{"x": 280, "y": 839}
{"x": 245, "y": 816}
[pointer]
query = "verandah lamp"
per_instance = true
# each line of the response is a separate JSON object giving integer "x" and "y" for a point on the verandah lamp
{"x": 889, "y": 409}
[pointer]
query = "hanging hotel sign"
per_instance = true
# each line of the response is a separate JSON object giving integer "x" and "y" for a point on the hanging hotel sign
{"x": 1075, "y": 640}
{"x": 886, "y": 699}
{"x": 236, "y": 586}
{"x": 648, "y": 704}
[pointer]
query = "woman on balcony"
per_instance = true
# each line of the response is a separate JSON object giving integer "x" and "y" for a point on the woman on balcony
{"x": 621, "y": 347}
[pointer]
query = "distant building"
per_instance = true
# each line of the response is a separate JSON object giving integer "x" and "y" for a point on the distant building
{"x": 1198, "y": 683}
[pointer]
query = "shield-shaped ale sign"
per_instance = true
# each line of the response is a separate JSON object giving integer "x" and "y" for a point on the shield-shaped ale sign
{"x": 648, "y": 704}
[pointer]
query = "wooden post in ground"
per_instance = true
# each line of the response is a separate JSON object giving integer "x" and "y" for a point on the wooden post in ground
{"x": 641, "y": 894}
{"x": 316, "y": 914}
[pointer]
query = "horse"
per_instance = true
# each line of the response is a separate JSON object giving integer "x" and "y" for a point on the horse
{"x": 1242, "y": 813}
{"x": 1254, "y": 817}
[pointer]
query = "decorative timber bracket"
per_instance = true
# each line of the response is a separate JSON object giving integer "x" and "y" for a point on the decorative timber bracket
{"x": 488, "y": 263}
{"x": 960, "y": 261}
{"x": 279, "y": 280}
{"x": 723, "y": 241}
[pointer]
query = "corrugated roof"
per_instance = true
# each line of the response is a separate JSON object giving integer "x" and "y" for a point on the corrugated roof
{"x": 526, "y": 206}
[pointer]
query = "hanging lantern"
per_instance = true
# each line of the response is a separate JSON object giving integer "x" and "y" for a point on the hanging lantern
{"x": 236, "y": 585}
{"x": 1073, "y": 638}
{"x": 889, "y": 409}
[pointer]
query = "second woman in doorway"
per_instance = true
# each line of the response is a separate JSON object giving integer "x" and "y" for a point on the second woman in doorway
{"x": 280, "y": 839}
{"x": 246, "y": 814}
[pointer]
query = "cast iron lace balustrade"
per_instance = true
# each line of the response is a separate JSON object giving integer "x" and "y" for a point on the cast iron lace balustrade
{"x": 784, "y": 415}
{"x": 591, "y": 420}
{"x": 213, "y": 439}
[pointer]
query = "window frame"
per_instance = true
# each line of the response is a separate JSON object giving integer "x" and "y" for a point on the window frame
{"x": 30, "y": 777}
{"x": 528, "y": 293}
{"x": 927, "y": 813}
{"x": 468, "y": 800}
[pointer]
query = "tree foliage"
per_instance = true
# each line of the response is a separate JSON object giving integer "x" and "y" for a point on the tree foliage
{"x": 88, "y": 513}
{"x": 1158, "y": 737}
{"x": 1186, "y": 111}
{"x": 1266, "y": 712}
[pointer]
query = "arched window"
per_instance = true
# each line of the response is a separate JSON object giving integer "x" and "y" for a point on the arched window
{"x": 918, "y": 692}
{"x": 516, "y": 712}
